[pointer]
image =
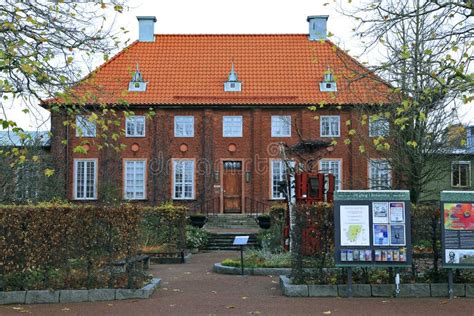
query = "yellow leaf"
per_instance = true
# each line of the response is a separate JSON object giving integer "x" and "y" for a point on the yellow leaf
{"x": 48, "y": 172}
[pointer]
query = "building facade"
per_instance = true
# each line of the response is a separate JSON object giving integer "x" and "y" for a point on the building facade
{"x": 223, "y": 108}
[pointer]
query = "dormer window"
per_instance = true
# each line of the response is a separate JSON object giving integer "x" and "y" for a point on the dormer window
{"x": 232, "y": 84}
{"x": 137, "y": 84}
{"x": 328, "y": 84}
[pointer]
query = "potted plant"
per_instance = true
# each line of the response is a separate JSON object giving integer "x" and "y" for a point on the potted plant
{"x": 198, "y": 220}
{"x": 264, "y": 221}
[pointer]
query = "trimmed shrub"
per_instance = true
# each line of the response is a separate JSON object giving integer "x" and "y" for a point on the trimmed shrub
{"x": 63, "y": 246}
{"x": 164, "y": 226}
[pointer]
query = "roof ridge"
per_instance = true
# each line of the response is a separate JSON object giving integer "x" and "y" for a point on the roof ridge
{"x": 229, "y": 34}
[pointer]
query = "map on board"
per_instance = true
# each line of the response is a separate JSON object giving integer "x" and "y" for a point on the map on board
{"x": 355, "y": 229}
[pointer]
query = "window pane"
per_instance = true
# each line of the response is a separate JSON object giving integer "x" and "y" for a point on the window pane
{"x": 184, "y": 126}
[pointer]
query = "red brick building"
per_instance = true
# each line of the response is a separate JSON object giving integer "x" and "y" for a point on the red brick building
{"x": 223, "y": 105}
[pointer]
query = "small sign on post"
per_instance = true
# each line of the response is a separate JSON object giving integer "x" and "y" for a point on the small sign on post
{"x": 241, "y": 241}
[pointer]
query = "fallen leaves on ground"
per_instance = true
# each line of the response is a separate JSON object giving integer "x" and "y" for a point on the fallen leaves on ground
{"x": 244, "y": 297}
{"x": 327, "y": 313}
{"x": 230, "y": 307}
{"x": 65, "y": 309}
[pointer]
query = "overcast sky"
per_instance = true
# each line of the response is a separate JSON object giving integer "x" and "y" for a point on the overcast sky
{"x": 229, "y": 17}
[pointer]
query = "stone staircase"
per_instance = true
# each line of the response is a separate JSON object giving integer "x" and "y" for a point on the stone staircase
{"x": 224, "y": 227}
{"x": 224, "y": 241}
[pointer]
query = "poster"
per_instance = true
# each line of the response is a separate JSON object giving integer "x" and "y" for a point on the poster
{"x": 397, "y": 235}
{"x": 355, "y": 227}
{"x": 397, "y": 211}
{"x": 459, "y": 256}
{"x": 381, "y": 235}
{"x": 380, "y": 212}
{"x": 458, "y": 216}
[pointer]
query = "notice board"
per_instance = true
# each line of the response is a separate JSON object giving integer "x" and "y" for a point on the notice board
{"x": 372, "y": 228}
{"x": 457, "y": 229}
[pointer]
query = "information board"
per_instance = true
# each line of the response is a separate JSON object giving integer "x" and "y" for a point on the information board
{"x": 372, "y": 228}
{"x": 457, "y": 229}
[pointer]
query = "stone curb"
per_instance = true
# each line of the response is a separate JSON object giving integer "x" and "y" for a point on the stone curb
{"x": 374, "y": 290}
{"x": 75, "y": 296}
{"x": 219, "y": 268}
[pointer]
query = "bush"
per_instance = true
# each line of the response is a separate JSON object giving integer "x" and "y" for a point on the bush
{"x": 254, "y": 258}
{"x": 63, "y": 246}
{"x": 271, "y": 240}
{"x": 163, "y": 226}
{"x": 196, "y": 237}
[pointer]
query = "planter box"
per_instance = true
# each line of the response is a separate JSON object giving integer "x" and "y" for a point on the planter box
{"x": 358, "y": 290}
{"x": 469, "y": 290}
{"x": 73, "y": 296}
{"x": 441, "y": 290}
{"x": 293, "y": 290}
{"x": 383, "y": 290}
{"x": 101, "y": 295}
{"x": 41, "y": 297}
{"x": 13, "y": 297}
{"x": 219, "y": 268}
{"x": 322, "y": 290}
{"x": 415, "y": 290}
{"x": 70, "y": 296}
{"x": 169, "y": 257}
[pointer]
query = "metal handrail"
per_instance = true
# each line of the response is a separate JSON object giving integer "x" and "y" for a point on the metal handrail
{"x": 256, "y": 207}
{"x": 210, "y": 207}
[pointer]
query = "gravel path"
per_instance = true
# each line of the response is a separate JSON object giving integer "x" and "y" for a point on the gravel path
{"x": 192, "y": 289}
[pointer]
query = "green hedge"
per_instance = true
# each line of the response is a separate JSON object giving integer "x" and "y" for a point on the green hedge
{"x": 163, "y": 228}
{"x": 67, "y": 246}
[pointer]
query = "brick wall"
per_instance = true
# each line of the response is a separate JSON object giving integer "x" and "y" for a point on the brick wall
{"x": 209, "y": 149}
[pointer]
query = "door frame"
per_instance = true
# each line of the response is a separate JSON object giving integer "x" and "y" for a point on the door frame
{"x": 221, "y": 168}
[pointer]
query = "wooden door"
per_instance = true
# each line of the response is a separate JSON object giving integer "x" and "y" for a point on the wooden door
{"x": 232, "y": 186}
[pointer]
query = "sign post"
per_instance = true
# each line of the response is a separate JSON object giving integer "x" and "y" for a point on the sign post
{"x": 372, "y": 228}
{"x": 457, "y": 232}
{"x": 241, "y": 241}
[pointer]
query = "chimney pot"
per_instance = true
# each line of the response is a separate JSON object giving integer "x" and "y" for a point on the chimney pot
{"x": 317, "y": 27}
{"x": 146, "y": 28}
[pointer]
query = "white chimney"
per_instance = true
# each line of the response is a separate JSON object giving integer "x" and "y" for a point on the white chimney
{"x": 146, "y": 28}
{"x": 318, "y": 27}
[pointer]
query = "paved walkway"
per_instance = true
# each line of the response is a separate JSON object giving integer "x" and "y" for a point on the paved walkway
{"x": 192, "y": 289}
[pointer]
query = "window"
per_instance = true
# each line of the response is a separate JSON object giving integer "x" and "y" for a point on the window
{"x": 183, "y": 179}
{"x": 134, "y": 181}
{"x": 84, "y": 127}
{"x": 378, "y": 127}
{"x": 278, "y": 174}
{"x": 330, "y": 126}
{"x": 332, "y": 167}
{"x": 461, "y": 174}
{"x": 281, "y": 126}
{"x": 232, "y": 126}
{"x": 184, "y": 126}
{"x": 135, "y": 126}
{"x": 85, "y": 173}
{"x": 380, "y": 177}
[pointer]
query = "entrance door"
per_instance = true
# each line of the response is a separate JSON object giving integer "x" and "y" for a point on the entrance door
{"x": 232, "y": 186}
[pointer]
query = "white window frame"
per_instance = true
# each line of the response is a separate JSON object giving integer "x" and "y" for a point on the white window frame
{"x": 278, "y": 125}
{"x": 379, "y": 127}
{"x": 136, "y": 189}
{"x": 84, "y": 127}
{"x": 185, "y": 120}
{"x": 85, "y": 179}
{"x": 132, "y": 122}
{"x": 374, "y": 184}
{"x": 232, "y": 126}
{"x": 330, "y": 120}
{"x": 184, "y": 182}
{"x": 330, "y": 170}
{"x": 274, "y": 195}
{"x": 468, "y": 163}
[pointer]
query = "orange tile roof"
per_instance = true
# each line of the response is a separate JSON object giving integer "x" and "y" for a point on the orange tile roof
{"x": 273, "y": 69}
